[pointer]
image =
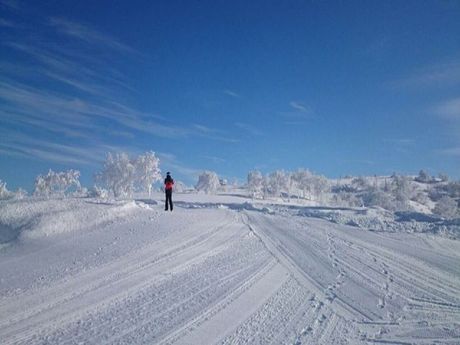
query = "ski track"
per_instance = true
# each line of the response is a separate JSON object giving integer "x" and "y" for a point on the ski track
{"x": 220, "y": 276}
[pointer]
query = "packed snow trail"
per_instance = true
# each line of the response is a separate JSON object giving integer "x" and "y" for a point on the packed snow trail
{"x": 387, "y": 289}
{"x": 214, "y": 274}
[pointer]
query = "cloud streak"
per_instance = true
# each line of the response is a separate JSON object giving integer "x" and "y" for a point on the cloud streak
{"x": 300, "y": 107}
{"x": 231, "y": 93}
{"x": 89, "y": 35}
{"x": 436, "y": 75}
{"x": 449, "y": 109}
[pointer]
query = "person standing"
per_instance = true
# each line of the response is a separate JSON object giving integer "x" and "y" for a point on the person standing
{"x": 169, "y": 182}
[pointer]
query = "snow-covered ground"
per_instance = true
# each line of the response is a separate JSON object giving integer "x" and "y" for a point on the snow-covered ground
{"x": 224, "y": 270}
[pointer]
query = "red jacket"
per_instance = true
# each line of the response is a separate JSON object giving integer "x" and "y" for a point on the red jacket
{"x": 169, "y": 184}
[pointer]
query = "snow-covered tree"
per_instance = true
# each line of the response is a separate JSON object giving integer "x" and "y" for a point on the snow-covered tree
{"x": 446, "y": 207}
{"x": 147, "y": 170}
{"x": 423, "y": 177}
{"x": 20, "y": 194}
{"x": 4, "y": 192}
{"x": 56, "y": 183}
{"x": 179, "y": 187}
{"x": 403, "y": 190}
{"x": 277, "y": 183}
{"x": 118, "y": 175}
{"x": 99, "y": 192}
{"x": 377, "y": 197}
{"x": 346, "y": 199}
{"x": 309, "y": 185}
{"x": 301, "y": 179}
{"x": 443, "y": 177}
{"x": 361, "y": 183}
{"x": 320, "y": 187}
{"x": 208, "y": 182}
{"x": 255, "y": 184}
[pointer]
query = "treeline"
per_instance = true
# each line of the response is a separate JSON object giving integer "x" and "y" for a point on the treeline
{"x": 394, "y": 193}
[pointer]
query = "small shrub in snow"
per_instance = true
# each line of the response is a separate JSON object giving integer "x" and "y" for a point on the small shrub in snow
{"x": 421, "y": 198}
{"x": 56, "y": 183}
{"x": 446, "y": 207}
{"x": 208, "y": 182}
{"x": 81, "y": 193}
{"x": 100, "y": 193}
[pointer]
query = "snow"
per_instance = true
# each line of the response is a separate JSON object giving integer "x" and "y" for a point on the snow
{"x": 225, "y": 269}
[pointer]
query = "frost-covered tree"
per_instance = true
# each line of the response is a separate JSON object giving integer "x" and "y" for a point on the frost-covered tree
{"x": 453, "y": 189}
{"x": 302, "y": 179}
{"x": 346, "y": 199}
{"x": 147, "y": 170}
{"x": 255, "y": 184}
{"x": 320, "y": 187}
{"x": 179, "y": 187}
{"x": 443, "y": 177}
{"x": 208, "y": 182}
{"x": 309, "y": 185}
{"x": 277, "y": 183}
{"x": 56, "y": 183}
{"x": 377, "y": 197}
{"x": 423, "y": 177}
{"x": 7, "y": 194}
{"x": 446, "y": 207}
{"x": 118, "y": 175}
{"x": 99, "y": 192}
{"x": 403, "y": 190}
{"x": 4, "y": 192}
{"x": 361, "y": 183}
{"x": 20, "y": 194}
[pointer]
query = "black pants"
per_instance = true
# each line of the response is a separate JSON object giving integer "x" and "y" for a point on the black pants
{"x": 168, "y": 199}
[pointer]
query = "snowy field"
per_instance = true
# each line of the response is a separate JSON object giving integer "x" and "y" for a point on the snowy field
{"x": 224, "y": 270}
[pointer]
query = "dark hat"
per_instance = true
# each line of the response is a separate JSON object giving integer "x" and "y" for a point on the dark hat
{"x": 168, "y": 173}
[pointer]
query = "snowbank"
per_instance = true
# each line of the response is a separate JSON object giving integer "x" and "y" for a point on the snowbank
{"x": 379, "y": 219}
{"x": 34, "y": 218}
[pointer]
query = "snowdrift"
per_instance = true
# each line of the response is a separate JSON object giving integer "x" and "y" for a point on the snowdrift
{"x": 35, "y": 218}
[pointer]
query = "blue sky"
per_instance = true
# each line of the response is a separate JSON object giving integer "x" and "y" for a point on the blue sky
{"x": 339, "y": 87}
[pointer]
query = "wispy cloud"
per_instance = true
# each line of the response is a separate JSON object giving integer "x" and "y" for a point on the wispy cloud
{"x": 215, "y": 159}
{"x": 89, "y": 35}
{"x": 211, "y": 133}
{"x": 436, "y": 75}
{"x": 452, "y": 151}
{"x": 170, "y": 162}
{"x": 203, "y": 129}
{"x": 7, "y": 23}
{"x": 20, "y": 145}
{"x": 75, "y": 102}
{"x": 231, "y": 93}
{"x": 299, "y": 114}
{"x": 449, "y": 109}
{"x": 12, "y": 4}
{"x": 252, "y": 130}
{"x": 300, "y": 107}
